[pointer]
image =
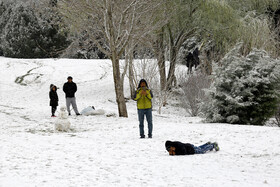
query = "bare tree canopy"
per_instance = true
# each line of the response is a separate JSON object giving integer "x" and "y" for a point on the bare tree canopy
{"x": 111, "y": 25}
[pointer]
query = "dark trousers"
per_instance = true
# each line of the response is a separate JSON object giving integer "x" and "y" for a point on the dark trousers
{"x": 148, "y": 114}
{"x": 53, "y": 109}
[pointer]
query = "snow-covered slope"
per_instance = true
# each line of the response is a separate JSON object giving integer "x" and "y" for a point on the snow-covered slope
{"x": 107, "y": 151}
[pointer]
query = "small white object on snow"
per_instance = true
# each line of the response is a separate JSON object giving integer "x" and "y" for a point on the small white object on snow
{"x": 62, "y": 123}
{"x": 90, "y": 110}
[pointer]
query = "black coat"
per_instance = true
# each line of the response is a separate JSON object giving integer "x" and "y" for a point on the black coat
{"x": 70, "y": 88}
{"x": 53, "y": 98}
{"x": 180, "y": 148}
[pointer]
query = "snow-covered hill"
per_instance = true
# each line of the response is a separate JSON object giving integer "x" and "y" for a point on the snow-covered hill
{"x": 107, "y": 151}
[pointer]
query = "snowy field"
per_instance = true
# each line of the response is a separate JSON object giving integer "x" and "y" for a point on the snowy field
{"x": 107, "y": 151}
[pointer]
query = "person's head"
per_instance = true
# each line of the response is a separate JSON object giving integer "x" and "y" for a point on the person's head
{"x": 171, "y": 151}
{"x": 143, "y": 83}
{"x": 69, "y": 79}
{"x": 52, "y": 87}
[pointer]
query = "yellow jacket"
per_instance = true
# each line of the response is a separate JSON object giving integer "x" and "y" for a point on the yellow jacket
{"x": 143, "y": 101}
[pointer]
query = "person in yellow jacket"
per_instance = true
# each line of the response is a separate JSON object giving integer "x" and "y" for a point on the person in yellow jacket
{"x": 143, "y": 96}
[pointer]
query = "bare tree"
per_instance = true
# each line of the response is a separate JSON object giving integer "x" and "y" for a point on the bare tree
{"x": 149, "y": 70}
{"x": 158, "y": 47}
{"x": 193, "y": 88}
{"x": 180, "y": 27}
{"x": 112, "y": 24}
{"x": 162, "y": 96}
{"x": 155, "y": 41}
{"x": 177, "y": 20}
{"x": 129, "y": 60}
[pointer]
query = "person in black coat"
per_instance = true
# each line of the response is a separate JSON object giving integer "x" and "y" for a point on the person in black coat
{"x": 70, "y": 89}
{"x": 53, "y": 99}
{"x": 179, "y": 148}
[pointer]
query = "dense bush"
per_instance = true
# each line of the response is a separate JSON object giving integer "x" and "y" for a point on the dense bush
{"x": 244, "y": 89}
{"x": 277, "y": 116}
{"x": 83, "y": 48}
{"x": 26, "y": 34}
{"x": 21, "y": 34}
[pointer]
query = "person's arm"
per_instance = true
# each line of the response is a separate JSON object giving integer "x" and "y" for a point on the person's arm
{"x": 75, "y": 87}
{"x": 149, "y": 94}
{"x": 56, "y": 96}
{"x": 50, "y": 95}
{"x": 137, "y": 95}
{"x": 64, "y": 87}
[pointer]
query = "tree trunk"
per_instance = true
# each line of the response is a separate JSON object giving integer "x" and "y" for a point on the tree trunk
{"x": 131, "y": 75}
{"x": 172, "y": 59}
{"x": 161, "y": 60}
{"x": 162, "y": 73}
{"x": 171, "y": 79}
{"x": 129, "y": 61}
{"x": 118, "y": 80}
{"x": 118, "y": 86}
{"x": 158, "y": 48}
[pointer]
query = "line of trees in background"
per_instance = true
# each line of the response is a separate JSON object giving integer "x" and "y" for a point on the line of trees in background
{"x": 128, "y": 29}
{"x": 43, "y": 26}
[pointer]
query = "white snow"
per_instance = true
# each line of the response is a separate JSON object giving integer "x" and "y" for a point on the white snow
{"x": 107, "y": 151}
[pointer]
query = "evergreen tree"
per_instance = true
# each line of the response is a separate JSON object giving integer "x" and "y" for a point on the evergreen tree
{"x": 244, "y": 89}
{"x": 82, "y": 48}
{"x": 54, "y": 33}
{"x": 26, "y": 33}
{"x": 21, "y": 34}
{"x": 4, "y": 15}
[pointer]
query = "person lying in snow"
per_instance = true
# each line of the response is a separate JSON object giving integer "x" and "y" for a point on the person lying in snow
{"x": 179, "y": 148}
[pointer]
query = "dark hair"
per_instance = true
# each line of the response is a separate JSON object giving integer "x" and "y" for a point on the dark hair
{"x": 168, "y": 144}
{"x": 69, "y": 77}
{"x": 142, "y": 80}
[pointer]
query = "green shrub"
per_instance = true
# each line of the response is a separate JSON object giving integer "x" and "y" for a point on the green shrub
{"x": 243, "y": 89}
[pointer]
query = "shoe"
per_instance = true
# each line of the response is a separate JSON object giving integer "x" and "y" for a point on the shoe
{"x": 142, "y": 136}
{"x": 150, "y": 136}
{"x": 53, "y": 116}
{"x": 216, "y": 146}
{"x": 78, "y": 114}
{"x": 69, "y": 114}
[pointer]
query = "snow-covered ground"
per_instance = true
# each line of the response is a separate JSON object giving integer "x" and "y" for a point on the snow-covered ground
{"x": 107, "y": 151}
